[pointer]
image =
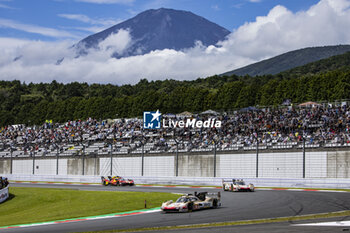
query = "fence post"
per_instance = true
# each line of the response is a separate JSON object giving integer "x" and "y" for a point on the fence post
{"x": 83, "y": 160}
{"x": 304, "y": 157}
{"x": 214, "y": 158}
{"x": 257, "y": 158}
{"x": 143, "y": 152}
{"x": 95, "y": 167}
{"x": 111, "y": 154}
{"x": 57, "y": 161}
{"x": 142, "y": 159}
{"x": 34, "y": 162}
{"x": 177, "y": 158}
{"x": 11, "y": 162}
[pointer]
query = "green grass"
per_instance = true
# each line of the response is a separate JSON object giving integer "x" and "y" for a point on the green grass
{"x": 30, "y": 205}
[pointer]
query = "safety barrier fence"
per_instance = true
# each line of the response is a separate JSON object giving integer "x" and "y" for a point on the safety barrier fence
{"x": 333, "y": 183}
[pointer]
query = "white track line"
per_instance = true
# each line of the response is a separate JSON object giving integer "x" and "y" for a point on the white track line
{"x": 326, "y": 224}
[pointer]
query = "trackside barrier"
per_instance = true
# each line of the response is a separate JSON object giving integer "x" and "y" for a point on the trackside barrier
{"x": 336, "y": 183}
{"x": 4, "y": 194}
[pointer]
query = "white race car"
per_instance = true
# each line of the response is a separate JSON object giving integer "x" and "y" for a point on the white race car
{"x": 236, "y": 185}
{"x": 189, "y": 202}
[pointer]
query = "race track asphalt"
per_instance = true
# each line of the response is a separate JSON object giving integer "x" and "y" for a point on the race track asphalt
{"x": 235, "y": 206}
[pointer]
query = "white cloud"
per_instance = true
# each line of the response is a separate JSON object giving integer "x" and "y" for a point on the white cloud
{"x": 117, "y": 42}
{"x": 87, "y": 19}
{"x": 155, "y": 4}
{"x": 93, "y": 29}
{"x": 4, "y": 5}
{"x": 98, "y": 24}
{"x": 79, "y": 17}
{"x": 215, "y": 7}
{"x": 107, "y": 1}
{"x": 7, "y": 23}
{"x": 282, "y": 30}
{"x": 11, "y": 43}
{"x": 279, "y": 31}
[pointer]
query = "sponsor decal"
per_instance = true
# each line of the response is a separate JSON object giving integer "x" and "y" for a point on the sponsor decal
{"x": 4, "y": 194}
{"x": 152, "y": 120}
{"x": 194, "y": 123}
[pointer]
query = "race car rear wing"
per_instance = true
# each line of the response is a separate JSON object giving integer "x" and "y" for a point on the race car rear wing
{"x": 232, "y": 180}
{"x": 229, "y": 180}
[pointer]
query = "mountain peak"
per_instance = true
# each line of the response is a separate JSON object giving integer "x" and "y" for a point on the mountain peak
{"x": 158, "y": 29}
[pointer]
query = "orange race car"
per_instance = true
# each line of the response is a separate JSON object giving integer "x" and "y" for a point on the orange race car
{"x": 116, "y": 181}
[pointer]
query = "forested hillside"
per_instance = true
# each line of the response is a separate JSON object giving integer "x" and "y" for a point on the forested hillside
{"x": 34, "y": 103}
{"x": 290, "y": 60}
{"x": 340, "y": 62}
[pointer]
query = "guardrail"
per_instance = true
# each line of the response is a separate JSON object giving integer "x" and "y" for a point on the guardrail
{"x": 335, "y": 183}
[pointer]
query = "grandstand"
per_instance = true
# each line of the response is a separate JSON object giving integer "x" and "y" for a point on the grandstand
{"x": 317, "y": 126}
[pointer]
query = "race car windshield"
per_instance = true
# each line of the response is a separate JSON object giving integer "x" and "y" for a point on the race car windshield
{"x": 240, "y": 183}
{"x": 182, "y": 200}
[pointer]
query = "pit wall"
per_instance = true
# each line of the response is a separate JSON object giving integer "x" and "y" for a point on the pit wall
{"x": 274, "y": 169}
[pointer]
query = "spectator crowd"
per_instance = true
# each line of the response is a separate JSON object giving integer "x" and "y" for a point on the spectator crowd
{"x": 318, "y": 125}
{"x": 3, "y": 182}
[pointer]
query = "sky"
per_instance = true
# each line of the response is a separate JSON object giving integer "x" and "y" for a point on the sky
{"x": 35, "y": 34}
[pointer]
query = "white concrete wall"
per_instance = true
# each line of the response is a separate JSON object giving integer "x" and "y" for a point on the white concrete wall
{"x": 236, "y": 165}
{"x": 45, "y": 167}
{"x": 123, "y": 166}
{"x": 316, "y": 165}
{"x": 338, "y": 163}
{"x": 105, "y": 166}
{"x": 281, "y": 165}
{"x": 159, "y": 166}
{"x": 22, "y": 166}
{"x": 127, "y": 166}
{"x": 62, "y": 167}
{"x": 42, "y": 166}
{"x": 196, "y": 165}
{"x": 334, "y": 164}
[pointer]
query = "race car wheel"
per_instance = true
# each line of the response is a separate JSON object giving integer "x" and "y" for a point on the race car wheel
{"x": 190, "y": 207}
{"x": 215, "y": 204}
{"x": 232, "y": 187}
{"x": 105, "y": 183}
{"x": 224, "y": 188}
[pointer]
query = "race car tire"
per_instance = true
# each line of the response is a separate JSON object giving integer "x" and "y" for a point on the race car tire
{"x": 105, "y": 183}
{"x": 224, "y": 188}
{"x": 232, "y": 188}
{"x": 215, "y": 204}
{"x": 190, "y": 207}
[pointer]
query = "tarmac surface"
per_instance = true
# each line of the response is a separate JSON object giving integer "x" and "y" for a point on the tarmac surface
{"x": 235, "y": 206}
